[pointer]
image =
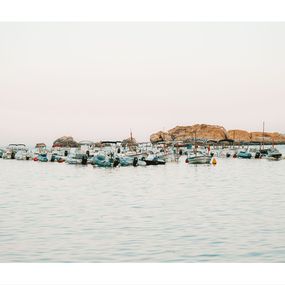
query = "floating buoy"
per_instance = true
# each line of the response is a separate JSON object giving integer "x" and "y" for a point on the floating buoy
{"x": 214, "y": 161}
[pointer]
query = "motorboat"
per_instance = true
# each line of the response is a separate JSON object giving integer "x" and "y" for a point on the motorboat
{"x": 77, "y": 158}
{"x": 12, "y": 149}
{"x": 244, "y": 154}
{"x": 102, "y": 160}
{"x": 274, "y": 154}
{"x": 153, "y": 160}
{"x": 23, "y": 155}
{"x": 198, "y": 157}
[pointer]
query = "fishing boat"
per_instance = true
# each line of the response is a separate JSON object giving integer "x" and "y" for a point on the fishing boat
{"x": 198, "y": 157}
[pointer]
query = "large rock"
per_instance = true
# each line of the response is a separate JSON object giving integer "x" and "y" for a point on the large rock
{"x": 160, "y": 136}
{"x": 216, "y": 133}
{"x": 267, "y": 137}
{"x": 65, "y": 141}
{"x": 239, "y": 135}
{"x": 203, "y": 131}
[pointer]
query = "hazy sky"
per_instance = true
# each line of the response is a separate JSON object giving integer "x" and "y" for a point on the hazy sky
{"x": 97, "y": 80}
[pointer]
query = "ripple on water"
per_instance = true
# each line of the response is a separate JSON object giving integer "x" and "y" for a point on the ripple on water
{"x": 232, "y": 212}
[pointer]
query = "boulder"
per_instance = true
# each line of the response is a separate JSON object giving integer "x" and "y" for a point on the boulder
{"x": 65, "y": 141}
{"x": 160, "y": 136}
{"x": 200, "y": 131}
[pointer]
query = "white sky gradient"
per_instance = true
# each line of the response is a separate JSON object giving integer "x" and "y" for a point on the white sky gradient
{"x": 97, "y": 81}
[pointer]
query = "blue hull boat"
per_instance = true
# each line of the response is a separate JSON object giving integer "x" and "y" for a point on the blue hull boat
{"x": 244, "y": 154}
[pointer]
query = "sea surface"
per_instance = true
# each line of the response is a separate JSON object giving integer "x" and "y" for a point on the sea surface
{"x": 231, "y": 212}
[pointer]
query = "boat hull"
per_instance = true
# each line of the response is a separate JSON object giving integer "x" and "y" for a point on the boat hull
{"x": 199, "y": 160}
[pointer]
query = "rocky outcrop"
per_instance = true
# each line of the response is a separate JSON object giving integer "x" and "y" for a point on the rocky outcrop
{"x": 239, "y": 135}
{"x": 184, "y": 133}
{"x": 65, "y": 141}
{"x": 216, "y": 133}
{"x": 160, "y": 136}
{"x": 267, "y": 137}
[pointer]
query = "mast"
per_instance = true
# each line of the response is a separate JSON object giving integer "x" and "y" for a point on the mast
{"x": 263, "y": 135}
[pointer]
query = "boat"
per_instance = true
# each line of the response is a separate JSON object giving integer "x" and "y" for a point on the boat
{"x": 102, "y": 160}
{"x": 153, "y": 160}
{"x": 23, "y": 155}
{"x": 274, "y": 154}
{"x": 198, "y": 157}
{"x": 12, "y": 149}
{"x": 42, "y": 158}
{"x": 76, "y": 158}
{"x": 256, "y": 153}
{"x": 244, "y": 154}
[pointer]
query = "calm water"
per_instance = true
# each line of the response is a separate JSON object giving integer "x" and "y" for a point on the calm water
{"x": 232, "y": 212}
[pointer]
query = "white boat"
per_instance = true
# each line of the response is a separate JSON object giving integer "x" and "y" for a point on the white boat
{"x": 198, "y": 157}
{"x": 23, "y": 155}
{"x": 274, "y": 154}
{"x": 77, "y": 158}
{"x": 12, "y": 149}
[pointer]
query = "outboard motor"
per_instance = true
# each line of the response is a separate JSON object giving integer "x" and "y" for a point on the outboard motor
{"x": 228, "y": 155}
{"x": 13, "y": 155}
{"x": 257, "y": 155}
{"x": 84, "y": 160}
{"x": 88, "y": 153}
{"x": 66, "y": 153}
{"x": 116, "y": 162}
{"x": 211, "y": 154}
{"x": 135, "y": 162}
{"x": 52, "y": 158}
{"x": 119, "y": 150}
{"x": 180, "y": 152}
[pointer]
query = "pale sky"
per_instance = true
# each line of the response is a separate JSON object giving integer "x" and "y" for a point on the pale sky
{"x": 97, "y": 81}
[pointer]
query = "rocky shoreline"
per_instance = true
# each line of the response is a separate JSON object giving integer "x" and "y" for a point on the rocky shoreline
{"x": 216, "y": 133}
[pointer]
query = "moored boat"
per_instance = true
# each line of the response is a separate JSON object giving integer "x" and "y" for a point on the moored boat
{"x": 198, "y": 157}
{"x": 274, "y": 154}
{"x": 244, "y": 154}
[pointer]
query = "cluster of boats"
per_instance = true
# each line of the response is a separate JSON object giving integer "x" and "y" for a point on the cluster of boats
{"x": 271, "y": 153}
{"x": 114, "y": 155}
